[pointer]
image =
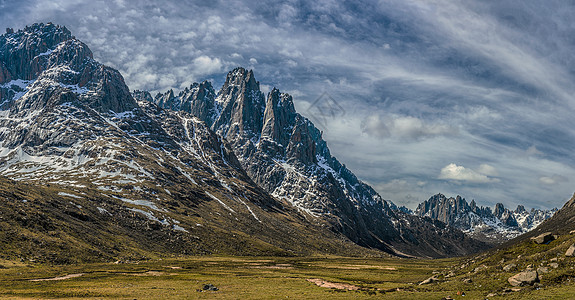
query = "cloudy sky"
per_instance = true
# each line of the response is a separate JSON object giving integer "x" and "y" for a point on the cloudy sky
{"x": 459, "y": 97}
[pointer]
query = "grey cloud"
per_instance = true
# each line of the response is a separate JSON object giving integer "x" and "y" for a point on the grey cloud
{"x": 424, "y": 83}
{"x": 553, "y": 179}
{"x": 405, "y": 127}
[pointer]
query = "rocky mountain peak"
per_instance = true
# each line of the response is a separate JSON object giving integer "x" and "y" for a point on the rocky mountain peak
{"x": 45, "y": 65}
{"x": 520, "y": 209}
{"x": 499, "y": 210}
{"x": 242, "y": 103}
{"x": 242, "y": 78}
{"x": 22, "y": 52}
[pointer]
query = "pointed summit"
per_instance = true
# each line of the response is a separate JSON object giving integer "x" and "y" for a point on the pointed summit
{"x": 242, "y": 108}
{"x": 279, "y": 117}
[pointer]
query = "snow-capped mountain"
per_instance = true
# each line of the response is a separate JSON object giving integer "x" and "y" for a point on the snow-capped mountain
{"x": 284, "y": 153}
{"x": 192, "y": 173}
{"x": 155, "y": 179}
{"x": 495, "y": 226}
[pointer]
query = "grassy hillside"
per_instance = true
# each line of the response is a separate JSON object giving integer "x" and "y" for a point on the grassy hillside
{"x": 51, "y": 224}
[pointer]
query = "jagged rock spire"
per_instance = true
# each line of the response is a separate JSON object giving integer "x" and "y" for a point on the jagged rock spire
{"x": 279, "y": 117}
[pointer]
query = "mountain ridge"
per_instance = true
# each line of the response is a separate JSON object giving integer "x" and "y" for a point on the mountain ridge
{"x": 495, "y": 226}
{"x": 284, "y": 153}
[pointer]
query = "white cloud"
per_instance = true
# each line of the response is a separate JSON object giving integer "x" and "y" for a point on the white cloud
{"x": 460, "y": 173}
{"x": 207, "y": 65}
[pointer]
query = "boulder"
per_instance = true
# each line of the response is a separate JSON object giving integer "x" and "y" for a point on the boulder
{"x": 542, "y": 270}
{"x": 527, "y": 277}
{"x": 554, "y": 265}
{"x": 570, "y": 251}
{"x": 209, "y": 287}
{"x": 543, "y": 238}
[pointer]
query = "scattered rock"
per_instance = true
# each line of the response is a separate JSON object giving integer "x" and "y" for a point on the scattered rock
{"x": 543, "y": 238}
{"x": 526, "y": 277}
{"x": 480, "y": 268}
{"x": 450, "y": 274}
{"x": 542, "y": 270}
{"x": 467, "y": 280}
{"x": 209, "y": 287}
{"x": 572, "y": 232}
{"x": 537, "y": 285}
{"x": 509, "y": 267}
{"x": 447, "y": 298}
{"x": 570, "y": 251}
{"x": 554, "y": 265}
{"x": 553, "y": 259}
{"x": 491, "y": 295}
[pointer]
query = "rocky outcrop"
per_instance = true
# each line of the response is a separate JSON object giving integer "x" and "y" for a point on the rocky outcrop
{"x": 527, "y": 277}
{"x": 543, "y": 238}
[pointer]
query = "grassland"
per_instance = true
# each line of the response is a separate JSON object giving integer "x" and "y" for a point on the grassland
{"x": 260, "y": 278}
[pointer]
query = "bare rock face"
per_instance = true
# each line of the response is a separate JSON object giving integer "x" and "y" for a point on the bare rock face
{"x": 24, "y": 52}
{"x": 543, "y": 238}
{"x": 527, "y": 277}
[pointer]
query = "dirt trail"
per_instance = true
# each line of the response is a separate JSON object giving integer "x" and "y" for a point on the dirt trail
{"x": 59, "y": 278}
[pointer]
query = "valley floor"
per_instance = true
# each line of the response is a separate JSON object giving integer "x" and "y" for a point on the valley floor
{"x": 260, "y": 278}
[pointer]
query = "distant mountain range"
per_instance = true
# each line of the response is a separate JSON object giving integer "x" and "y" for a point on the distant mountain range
{"x": 480, "y": 222}
{"x": 233, "y": 171}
